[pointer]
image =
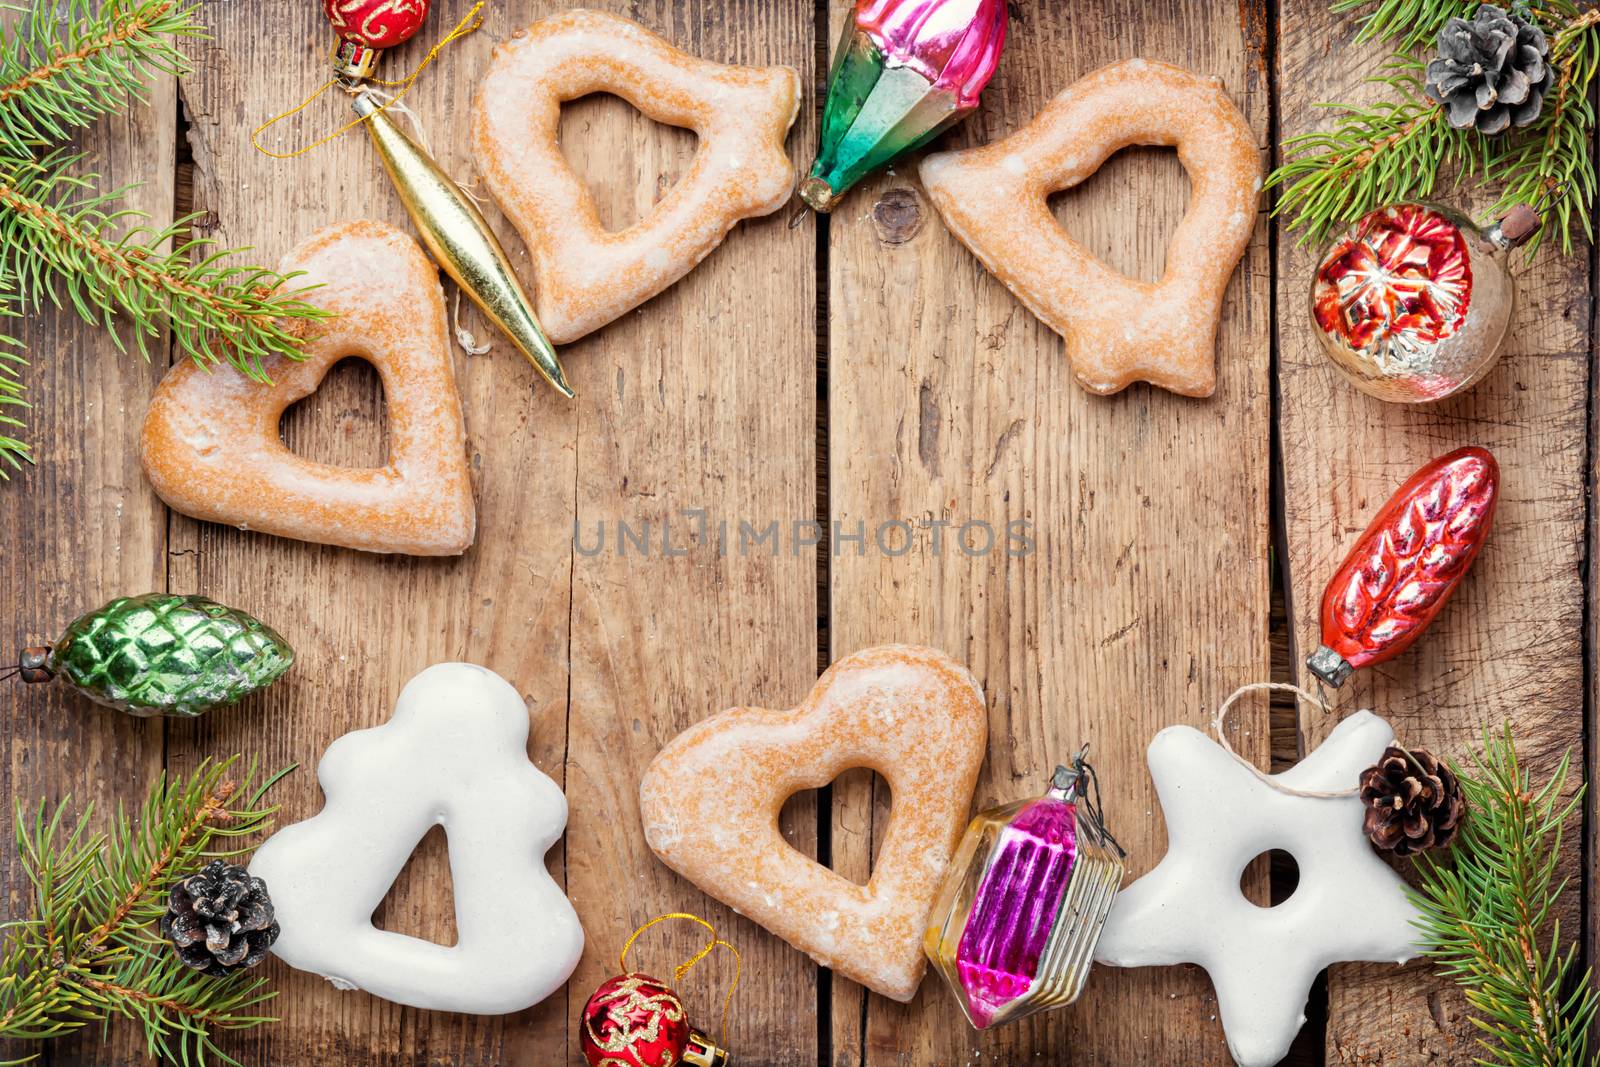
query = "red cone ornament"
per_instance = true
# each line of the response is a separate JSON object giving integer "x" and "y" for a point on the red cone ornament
{"x": 634, "y": 1020}
{"x": 1407, "y": 563}
{"x": 376, "y": 23}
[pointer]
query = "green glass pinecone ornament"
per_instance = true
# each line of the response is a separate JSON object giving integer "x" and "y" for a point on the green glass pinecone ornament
{"x": 220, "y": 920}
{"x": 1491, "y": 72}
{"x": 163, "y": 654}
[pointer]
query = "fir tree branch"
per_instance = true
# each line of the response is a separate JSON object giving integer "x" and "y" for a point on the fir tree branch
{"x": 13, "y": 452}
{"x": 90, "y": 950}
{"x": 56, "y": 234}
{"x": 1487, "y": 914}
{"x": 1375, "y": 155}
{"x": 1404, "y": 24}
{"x": 64, "y": 65}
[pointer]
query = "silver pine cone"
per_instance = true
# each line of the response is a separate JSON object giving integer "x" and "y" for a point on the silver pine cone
{"x": 1492, "y": 72}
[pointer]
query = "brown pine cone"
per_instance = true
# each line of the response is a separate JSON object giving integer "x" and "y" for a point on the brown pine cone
{"x": 1413, "y": 802}
{"x": 220, "y": 920}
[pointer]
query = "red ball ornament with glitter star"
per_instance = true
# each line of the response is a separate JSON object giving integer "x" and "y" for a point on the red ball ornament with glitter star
{"x": 634, "y": 1020}
{"x": 376, "y": 23}
{"x": 1414, "y": 302}
{"x": 1404, "y": 567}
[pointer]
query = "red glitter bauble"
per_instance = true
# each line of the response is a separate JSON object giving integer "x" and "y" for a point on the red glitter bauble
{"x": 1401, "y": 281}
{"x": 634, "y": 1020}
{"x": 376, "y": 23}
{"x": 1411, "y": 558}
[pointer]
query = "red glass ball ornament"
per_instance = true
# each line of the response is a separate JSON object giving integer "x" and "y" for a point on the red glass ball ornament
{"x": 376, "y": 23}
{"x": 634, "y": 1020}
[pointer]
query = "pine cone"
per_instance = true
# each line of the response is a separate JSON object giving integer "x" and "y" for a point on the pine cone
{"x": 220, "y": 920}
{"x": 1413, "y": 802}
{"x": 1492, "y": 72}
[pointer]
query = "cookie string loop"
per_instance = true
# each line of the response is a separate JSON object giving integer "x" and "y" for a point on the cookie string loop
{"x": 1220, "y": 719}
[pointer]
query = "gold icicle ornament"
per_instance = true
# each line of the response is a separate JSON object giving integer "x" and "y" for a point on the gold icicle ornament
{"x": 452, "y": 228}
{"x": 459, "y": 238}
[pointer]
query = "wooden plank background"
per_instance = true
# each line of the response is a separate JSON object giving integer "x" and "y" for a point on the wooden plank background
{"x": 852, "y": 371}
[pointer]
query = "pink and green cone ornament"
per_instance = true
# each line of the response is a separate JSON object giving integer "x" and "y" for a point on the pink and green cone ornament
{"x": 905, "y": 71}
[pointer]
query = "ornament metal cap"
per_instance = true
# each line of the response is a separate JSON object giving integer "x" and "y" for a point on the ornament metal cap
{"x": 701, "y": 1052}
{"x": 34, "y": 665}
{"x": 460, "y": 240}
{"x": 1329, "y": 666}
{"x": 354, "y": 62}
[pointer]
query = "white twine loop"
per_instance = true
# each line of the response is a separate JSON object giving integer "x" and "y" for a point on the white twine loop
{"x": 464, "y": 337}
{"x": 1220, "y": 719}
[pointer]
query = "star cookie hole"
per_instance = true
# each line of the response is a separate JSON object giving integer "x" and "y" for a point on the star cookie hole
{"x": 345, "y": 423}
{"x": 1270, "y": 879}
{"x": 628, "y": 161}
{"x": 421, "y": 903}
{"x": 1146, "y": 184}
{"x": 857, "y": 813}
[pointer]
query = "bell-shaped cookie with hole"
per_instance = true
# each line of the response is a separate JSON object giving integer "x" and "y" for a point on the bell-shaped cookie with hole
{"x": 212, "y": 447}
{"x": 585, "y": 277}
{"x": 1117, "y": 330}
{"x": 454, "y": 755}
{"x": 710, "y": 804}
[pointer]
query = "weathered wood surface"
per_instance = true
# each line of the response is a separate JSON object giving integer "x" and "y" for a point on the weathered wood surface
{"x": 1508, "y": 647}
{"x": 1145, "y": 595}
{"x": 1144, "y": 600}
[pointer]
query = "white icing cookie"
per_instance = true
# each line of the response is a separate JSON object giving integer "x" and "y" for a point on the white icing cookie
{"x": 454, "y": 755}
{"x": 585, "y": 277}
{"x": 1348, "y": 904}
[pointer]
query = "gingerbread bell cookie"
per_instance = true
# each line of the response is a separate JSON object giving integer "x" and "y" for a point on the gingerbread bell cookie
{"x": 211, "y": 445}
{"x": 585, "y": 277}
{"x": 710, "y": 805}
{"x": 1118, "y": 330}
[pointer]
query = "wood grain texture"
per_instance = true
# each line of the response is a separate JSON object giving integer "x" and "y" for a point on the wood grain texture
{"x": 1507, "y": 647}
{"x": 1146, "y": 595}
{"x": 364, "y": 624}
{"x": 79, "y": 529}
{"x": 695, "y": 414}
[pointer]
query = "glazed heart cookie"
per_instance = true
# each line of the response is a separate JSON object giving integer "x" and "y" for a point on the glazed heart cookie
{"x": 1118, "y": 330}
{"x": 583, "y": 275}
{"x": 710, "y": 805}
{"x": 211, "y": 446}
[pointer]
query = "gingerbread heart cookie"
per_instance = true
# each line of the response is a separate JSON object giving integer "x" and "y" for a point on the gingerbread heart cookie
{"x": 211, "y": 445}
{"x": 1118, "y": 330}
{"x": 710, "y": 805}
{"x": 585, "y": 277}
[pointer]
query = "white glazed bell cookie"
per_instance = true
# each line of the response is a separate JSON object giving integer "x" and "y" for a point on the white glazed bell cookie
{"x": 710, "y": 805}
{"x": 584, "y": 277}
{"x": 211, "y": 446}
{"x": 454, "y": 755}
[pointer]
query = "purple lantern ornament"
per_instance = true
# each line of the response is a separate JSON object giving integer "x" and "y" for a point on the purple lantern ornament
{"x": 905, "y": 71}
{"x": 1015, "y": 924}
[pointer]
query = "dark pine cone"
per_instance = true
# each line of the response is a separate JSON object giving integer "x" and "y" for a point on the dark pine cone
{"x": 1413, "y": 802}
{"x": 220, "y": 920}
{"x": 1492, "y": 72}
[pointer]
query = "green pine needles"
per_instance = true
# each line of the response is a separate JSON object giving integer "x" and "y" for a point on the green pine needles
{"x": 91, "y": 952}
{"x": 1403, "y": 148}
{"x": 1488, "y": 914}
{"x": 62, "y": 66}
{"x": 13, "y": 451}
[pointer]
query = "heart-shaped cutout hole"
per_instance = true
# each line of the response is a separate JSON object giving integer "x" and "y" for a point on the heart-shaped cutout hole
{"x": 345, "y": 423}
{"x": 627, "y": 161}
